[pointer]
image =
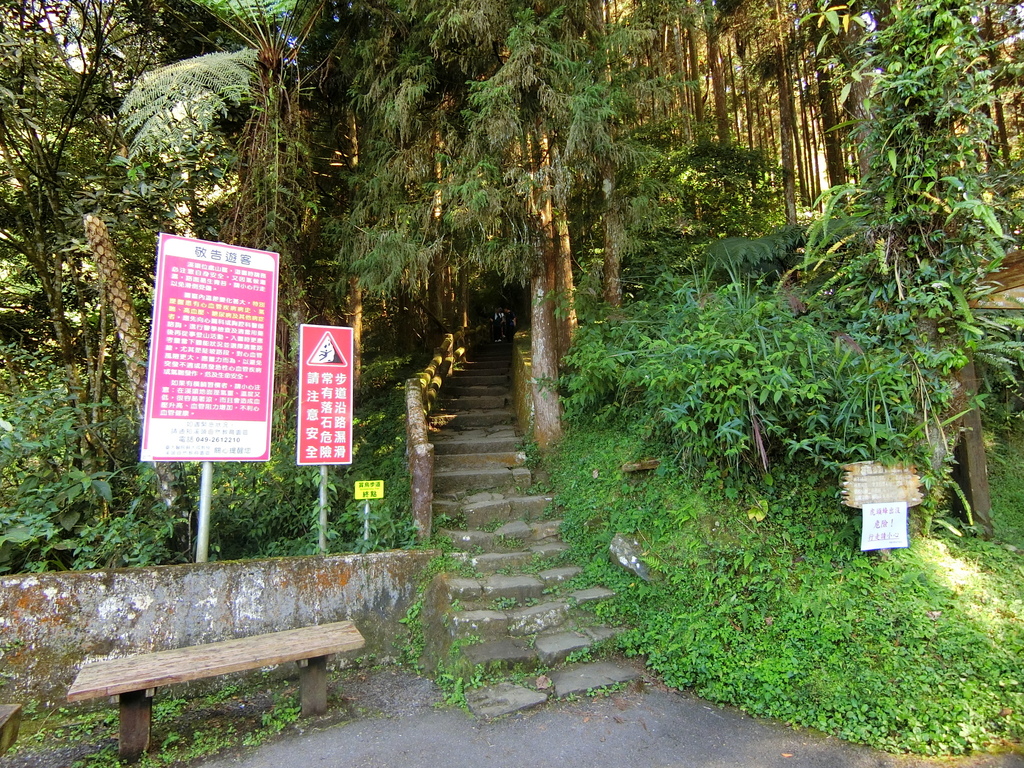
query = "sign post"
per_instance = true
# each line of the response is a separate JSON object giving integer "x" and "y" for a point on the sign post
{"x": 366, "y": 490}
{"x": 883, "y": 494}
{"x": 325, "y": 404}
{"x": 211, "y": 359}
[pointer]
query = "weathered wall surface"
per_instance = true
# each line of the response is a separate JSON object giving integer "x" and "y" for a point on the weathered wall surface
{"x": 522, "y": 372}
{"x": 52, "y": 623}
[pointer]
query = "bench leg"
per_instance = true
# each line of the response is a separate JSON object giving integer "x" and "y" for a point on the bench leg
{"x": 136, "y": 715}
{"x": 10, "y": 720}
{"x": 313, "y": 686}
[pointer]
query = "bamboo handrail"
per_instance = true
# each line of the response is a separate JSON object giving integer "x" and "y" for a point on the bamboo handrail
{"x": 421, "y": 393}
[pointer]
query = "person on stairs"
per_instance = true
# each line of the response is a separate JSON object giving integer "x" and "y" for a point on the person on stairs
{"x": 510, "y": 324}
{"x": 498, "y": 325}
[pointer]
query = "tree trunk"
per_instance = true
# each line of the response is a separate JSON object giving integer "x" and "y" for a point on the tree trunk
{"x": 614, "y": 240}
{"x": 694, "y": 77}
{"x": 547, "y": 411}
{"x": 785, "y": 119}
{"x": 354, "y": 310}
{"x": 835, "y": 166}
{"x": 129, "y": 331}
{"x": 564, "y": 284}
{"x": 717, "y": 67}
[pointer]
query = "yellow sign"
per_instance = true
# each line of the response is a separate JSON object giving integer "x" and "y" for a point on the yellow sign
{"x": 369, "y": 489}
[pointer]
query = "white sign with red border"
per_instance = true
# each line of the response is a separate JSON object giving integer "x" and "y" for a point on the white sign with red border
{"x": 325, "y": 395}
{"x": 209, "y": 394}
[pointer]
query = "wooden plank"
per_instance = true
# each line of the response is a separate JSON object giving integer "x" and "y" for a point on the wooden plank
{"x": 971, "y": 469}
{"x": 10, "y": 722}
{"x": 644, "y": 465}
{"x": 152, "y": 670}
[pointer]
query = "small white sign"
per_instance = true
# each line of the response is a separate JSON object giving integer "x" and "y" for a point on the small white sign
{"x": 885, "y": 526}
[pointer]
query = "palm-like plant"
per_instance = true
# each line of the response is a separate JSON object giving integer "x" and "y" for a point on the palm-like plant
{"x": 270, "y": 203}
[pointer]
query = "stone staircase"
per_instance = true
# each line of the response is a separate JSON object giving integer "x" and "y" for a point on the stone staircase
{"x": 517, "y": 605}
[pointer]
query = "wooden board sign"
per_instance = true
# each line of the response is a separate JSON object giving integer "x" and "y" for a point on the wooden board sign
{"x": 871, "y": 482}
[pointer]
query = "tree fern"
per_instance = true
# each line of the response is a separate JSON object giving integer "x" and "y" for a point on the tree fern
{"x": 772, "y": 254}
{"x": 198, "y": 89}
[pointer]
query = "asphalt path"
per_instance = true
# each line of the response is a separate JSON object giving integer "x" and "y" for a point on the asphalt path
{"x": 645, "y": 726}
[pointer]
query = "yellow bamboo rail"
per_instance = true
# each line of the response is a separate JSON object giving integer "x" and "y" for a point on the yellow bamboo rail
{"x": 421, "y": 393}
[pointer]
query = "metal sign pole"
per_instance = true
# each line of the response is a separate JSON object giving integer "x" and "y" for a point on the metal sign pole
{"x": 366, "y": 522}
{"x": 323, "y": 509}
{"x": 205, "y": 492}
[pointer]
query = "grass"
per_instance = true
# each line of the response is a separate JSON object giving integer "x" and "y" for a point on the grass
{"x": 784, "y": 617}
{"x": 1005, "y": 461}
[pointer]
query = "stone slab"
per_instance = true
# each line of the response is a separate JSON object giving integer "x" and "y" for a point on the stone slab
{"x": 506, "y": 653}
{"x": 591, "y": 595}
{"x": 588, "y": 677}
{"x": 558, "y": 575}
{"x": 553, "y": 649}
{"x": 521, "y": 588}
{"x": 502, "y": 699}
{"x": 516, "y": 529}
{"x": 529, "y": 507}
{"x": 537, "y": 618}
{"x": 460, "y": 588}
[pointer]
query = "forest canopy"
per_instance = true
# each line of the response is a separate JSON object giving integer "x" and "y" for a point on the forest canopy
{"x": 810, "y": 196}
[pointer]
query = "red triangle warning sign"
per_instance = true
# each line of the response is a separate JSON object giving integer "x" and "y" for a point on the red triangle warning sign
{"x": 327, "y": 352}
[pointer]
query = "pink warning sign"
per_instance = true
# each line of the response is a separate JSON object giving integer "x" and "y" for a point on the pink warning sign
{"x": 325, "y": 395}
{"x": 211, "y": 357}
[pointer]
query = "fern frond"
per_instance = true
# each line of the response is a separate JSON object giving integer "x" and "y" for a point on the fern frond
{"x": 758, "y": 257}
{"x": 257, "y": 11}
{"x": 199, "y": 88}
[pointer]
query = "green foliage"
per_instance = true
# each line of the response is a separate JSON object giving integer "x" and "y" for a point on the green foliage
{"x": 1005, "y": 459}
{"x": 783, "y": 617}
{"x": 734, "y": 379}
{"x": 271, "y": 509}
{"x": 722, "y": 190}
{"x": 60, "y": 505}
{"x": 61, "y": 508}
{"x": 195, "y": 91}
{"x": 901, "y": 257}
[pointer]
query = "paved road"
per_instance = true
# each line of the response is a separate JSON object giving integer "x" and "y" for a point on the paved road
{"x": 647, "y": 728}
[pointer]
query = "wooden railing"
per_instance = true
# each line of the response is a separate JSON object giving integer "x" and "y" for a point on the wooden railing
{"x": 421, "y": 393}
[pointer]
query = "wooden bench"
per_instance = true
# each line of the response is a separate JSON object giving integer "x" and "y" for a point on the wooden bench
{"x": 134, "y": 679}
{"x": 10, "y": 720}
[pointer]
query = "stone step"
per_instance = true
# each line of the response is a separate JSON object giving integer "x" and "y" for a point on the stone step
{"x": 474, "y": 461}
{"x": 459, "y": 390}
{"x": 490, "y": 562}
{"x": 512, "y": 535}
{"x": 589, "y": 677}
{"x": 478, "y": 594}
{"x": 464, "y": 403}
{"x": 482, "y": 510}
{"x": 482, "y": 444}
{"x": 491, "y": 364}
{"x": 503, "y": 699}
{"x": 483, "y": 378}
{"x": 457, "y": 421}
{"x": 490, "y": 625}
{"x": 507, "y": 653}
{"x": 525, "y": 652}
{"x": 452, "y": 481}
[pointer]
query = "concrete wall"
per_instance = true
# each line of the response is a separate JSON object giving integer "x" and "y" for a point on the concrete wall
{"x": 52, "y": 623}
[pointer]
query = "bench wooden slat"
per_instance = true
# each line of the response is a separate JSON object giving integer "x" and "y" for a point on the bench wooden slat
{"x": 153, "y": 670}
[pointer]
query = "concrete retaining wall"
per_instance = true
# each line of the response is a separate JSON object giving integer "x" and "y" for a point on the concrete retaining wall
{"x": 522, "y": 390}
{"x": 52, "y": 623}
